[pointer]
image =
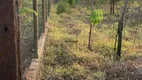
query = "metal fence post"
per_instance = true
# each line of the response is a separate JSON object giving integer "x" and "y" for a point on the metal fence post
{"x": 46, "y": 9}
{"x": 35, "y": 22}
{"x": 43, "y": 15}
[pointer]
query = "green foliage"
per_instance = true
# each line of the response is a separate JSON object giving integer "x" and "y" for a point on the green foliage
{"x": 62, "y": 7}
{"x": 102, "y": 1}
{"x": 27, "y": 2}
{"x": 25, "y": 12}
{"x": 96, "y": 17}
{"x": 71, "y": 2}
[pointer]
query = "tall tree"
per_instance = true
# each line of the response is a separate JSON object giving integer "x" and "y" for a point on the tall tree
{"x": 120, "y": 30}
{"x": 10, "y": 61}
{"x": 112, "y": 9}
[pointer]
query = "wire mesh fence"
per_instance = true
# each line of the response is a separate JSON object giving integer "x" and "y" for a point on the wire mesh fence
{"x": 26, "y": 36}
{"x": 40, "y": 19}
{"x": 27, "y": 29}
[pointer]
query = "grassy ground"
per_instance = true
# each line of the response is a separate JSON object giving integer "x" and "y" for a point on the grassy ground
{"x": 67, "y": 56}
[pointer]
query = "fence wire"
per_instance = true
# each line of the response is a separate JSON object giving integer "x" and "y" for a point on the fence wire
{"x": 27, "y": 36}
{"x": 40, "y": 25}
{"x": 27, "y": 31}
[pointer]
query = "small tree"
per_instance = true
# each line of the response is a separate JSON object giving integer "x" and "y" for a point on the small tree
{"x": 120, "y": 29}
{"x": 95, "y": 18}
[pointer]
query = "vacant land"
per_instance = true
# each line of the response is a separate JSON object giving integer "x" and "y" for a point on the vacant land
{"x": 67, "y": 56}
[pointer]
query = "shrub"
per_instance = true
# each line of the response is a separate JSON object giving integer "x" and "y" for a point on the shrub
{"x": 96, "y": 17}
{"x": 62, "y": 7}
{"x": 73, "y": 2}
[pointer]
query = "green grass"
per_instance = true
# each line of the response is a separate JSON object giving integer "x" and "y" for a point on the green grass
{"x": 66, "y": 56}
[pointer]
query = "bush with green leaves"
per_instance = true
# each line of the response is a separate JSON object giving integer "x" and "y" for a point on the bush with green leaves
{"x": 26, "y": 13}
{"x": 62, "y": 7}
{"x": 96, "y": 17}
{"x": 73, "y": 2}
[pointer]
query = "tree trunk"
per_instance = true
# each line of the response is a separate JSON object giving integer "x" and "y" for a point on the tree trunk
{"x": 90, "y": 36}
{"x": 90, "y": 32}
{"x": 10, "y": 61}
{"x": 138, "y": 21}
{"x": 115, "y": 43}
{"x": 112, "y": 4}
{"x": 120, "y": 29}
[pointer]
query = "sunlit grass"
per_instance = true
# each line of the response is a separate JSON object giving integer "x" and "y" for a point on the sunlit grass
{"x": 66, "y": 53}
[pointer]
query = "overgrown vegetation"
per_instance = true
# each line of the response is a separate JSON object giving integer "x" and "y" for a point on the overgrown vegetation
{"x": 63, "y": 7}
{"x": 67, "y": 56}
